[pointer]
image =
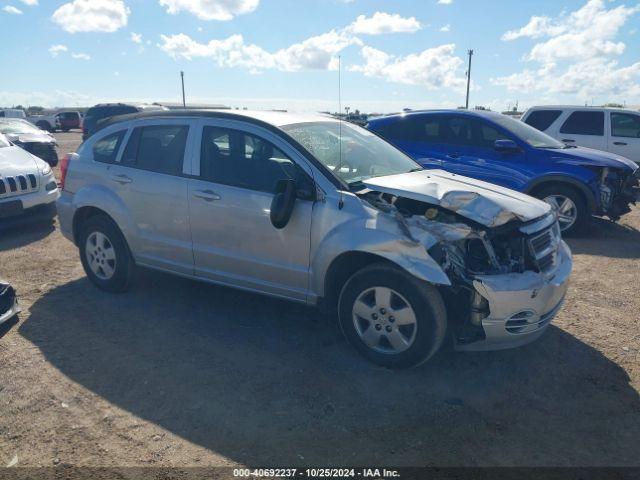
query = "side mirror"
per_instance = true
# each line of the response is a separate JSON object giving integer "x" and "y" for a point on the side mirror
{"x": 506, "y": 146}
{"x": 283, "y": 202}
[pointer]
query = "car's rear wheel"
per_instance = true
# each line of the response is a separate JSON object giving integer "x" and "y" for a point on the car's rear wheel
{"x": 392, "y": 318}
{"x": 573, "y": 214}
{"x": 44, "y": 126}
{"x": 104, "y": 254}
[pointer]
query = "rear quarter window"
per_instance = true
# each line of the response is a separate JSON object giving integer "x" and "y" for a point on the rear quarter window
{"x": 106, "y": 149}
{"x": 542, "y": 119}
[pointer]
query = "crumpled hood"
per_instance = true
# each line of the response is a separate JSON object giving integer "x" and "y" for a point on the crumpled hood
{"x": 16, "y": 161}
{"x": 482, "y": 202}
{"x": 591, "y": 157}
{"x": 30, "y": 137}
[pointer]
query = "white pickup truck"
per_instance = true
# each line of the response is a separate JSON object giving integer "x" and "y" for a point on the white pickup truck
{"x": 50, "y": 123}
{"x": 613, "y": 130}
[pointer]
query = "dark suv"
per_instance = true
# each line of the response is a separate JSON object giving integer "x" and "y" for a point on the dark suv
{"x": 106, "y": 110}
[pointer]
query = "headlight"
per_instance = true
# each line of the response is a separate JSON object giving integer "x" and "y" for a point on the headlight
{"x": 46, "y": 169}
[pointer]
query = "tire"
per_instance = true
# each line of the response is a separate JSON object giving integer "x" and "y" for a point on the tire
{"x": 105, "y": 255}
{"x": 44, "y": 126}
{"x": 420, "y": 341}
{"x": 582, "y": 214}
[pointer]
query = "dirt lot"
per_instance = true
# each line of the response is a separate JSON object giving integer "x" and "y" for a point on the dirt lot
{"x": 178, "y": 373}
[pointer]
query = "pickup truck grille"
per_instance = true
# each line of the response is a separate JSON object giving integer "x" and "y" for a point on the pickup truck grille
{"x": 18, "y": 185}
{"x": 544, "y": 247}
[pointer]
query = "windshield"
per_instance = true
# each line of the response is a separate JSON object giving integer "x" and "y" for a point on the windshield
{"x": 533, "y": 137}
{"x": 353, "y": 154}
{"x": 18, "y": 126}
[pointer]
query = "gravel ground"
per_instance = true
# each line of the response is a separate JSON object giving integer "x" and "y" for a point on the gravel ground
{"x": 179, "y": 373}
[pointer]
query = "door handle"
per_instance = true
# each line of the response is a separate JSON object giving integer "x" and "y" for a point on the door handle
{"x": 206, "y": 195}
{"x": 453, "y": 155}
{"x": 121, "y": 179}
{"x": 619, "y": 143}
{"x": 568, "y": 140}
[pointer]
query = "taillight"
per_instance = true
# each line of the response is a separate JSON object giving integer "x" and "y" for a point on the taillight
{"x": 64, "y": 167}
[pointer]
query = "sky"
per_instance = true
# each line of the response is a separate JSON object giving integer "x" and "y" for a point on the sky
{"x": 286, "y": 54}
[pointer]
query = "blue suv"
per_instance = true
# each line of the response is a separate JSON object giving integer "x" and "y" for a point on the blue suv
{"x": 578, "y": 182}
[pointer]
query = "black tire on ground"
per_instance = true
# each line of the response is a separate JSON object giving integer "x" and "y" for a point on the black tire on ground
{"x": 44, "y": 126}
{"x": 424, "y": 299}
{"x": 583, "y": 213}
{"x": 124, "y": 265}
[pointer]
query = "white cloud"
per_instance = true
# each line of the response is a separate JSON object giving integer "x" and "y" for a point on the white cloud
{"x": 382, "y": 22}
{"x": 211, "y": 9}
{"x": 432, "y": 68}
{"x": 577, "y": 54}
{"x": 596, "y": 77}
{"x": 31, "y": 3}
{"x": 537, "y": 27}
{"x": 315, "y": 53}
{"x": 10, "y": 9}
{"x": 56, "y": 50}
{"x": 81, "y": 56}
{"x": 585, "y": 33}
{"x": 136, "y": 37}
{"x": 92, "y": 16}
{"x": 445, "y": 28}
{"x": 445, "y": 2}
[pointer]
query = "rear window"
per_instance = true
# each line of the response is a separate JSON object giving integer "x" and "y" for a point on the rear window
{"x": 625, "y": 125}
{"x": 584, "y": 123}
{"x": 106, "y": 149}
{"x": 157, "y": 148}
{"x": 542, "y": 119}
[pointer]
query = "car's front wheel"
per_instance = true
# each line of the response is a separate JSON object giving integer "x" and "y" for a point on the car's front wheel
{"x": 573, "y": 214}
{"x": 104, "y": 254}
{"x": 392, "y": 318}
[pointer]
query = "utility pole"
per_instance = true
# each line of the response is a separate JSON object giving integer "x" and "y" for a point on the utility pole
{"x": 184, "y": 101}
{"x": 470, "y": 53}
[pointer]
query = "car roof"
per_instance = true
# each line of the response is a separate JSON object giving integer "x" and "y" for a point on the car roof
{"x": 276, "y": 119}
{"x": 419, "y": 113}
{"x": 578, "y": 107}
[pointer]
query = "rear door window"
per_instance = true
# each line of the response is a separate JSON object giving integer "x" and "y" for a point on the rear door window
{"x": 584, "y": 123}
{"x": 625, "y": 125}
{"x": 157, "y": 148}
{"x": 106, "y": 149}
{"x": 542, "y": 119}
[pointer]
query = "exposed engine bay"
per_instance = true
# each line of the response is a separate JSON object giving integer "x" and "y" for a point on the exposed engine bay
{"x": 466, "y": 250}
{"x": 618, "y": 190}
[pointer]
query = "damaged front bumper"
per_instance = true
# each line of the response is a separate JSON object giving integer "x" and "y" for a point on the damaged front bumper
{"x": 8, "y": 302}
{"x": 521, "y": 305}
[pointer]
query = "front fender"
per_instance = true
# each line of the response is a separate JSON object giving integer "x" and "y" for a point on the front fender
{"x": 586, "y": 187}
{"x": 379, "y": 235}
{"x": 102, "y": 198}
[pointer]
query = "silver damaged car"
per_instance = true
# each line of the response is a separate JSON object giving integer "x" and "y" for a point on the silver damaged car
{"x": 314, "y": 210}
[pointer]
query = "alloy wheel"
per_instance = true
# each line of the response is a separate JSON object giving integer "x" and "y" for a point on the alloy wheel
{"x": 566, "y": 209}
{"x": 384, "y": 320}
{"x": 101, "y": 255}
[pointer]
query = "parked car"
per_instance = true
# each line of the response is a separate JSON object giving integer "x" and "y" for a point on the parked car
{"x": 106, "y": 110}
{"x": 69, "y": 120}
{"x": 28, "y": 189}
{"x": 578, "y": 182}
{"x": 32, "y": 139}
{"x": 9, "y": 307}
{"x": 48, "y": 122}
{"x": 314, "y": 210}
{"x": 614, "y": 130}
{"x": 12, "y": 113}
